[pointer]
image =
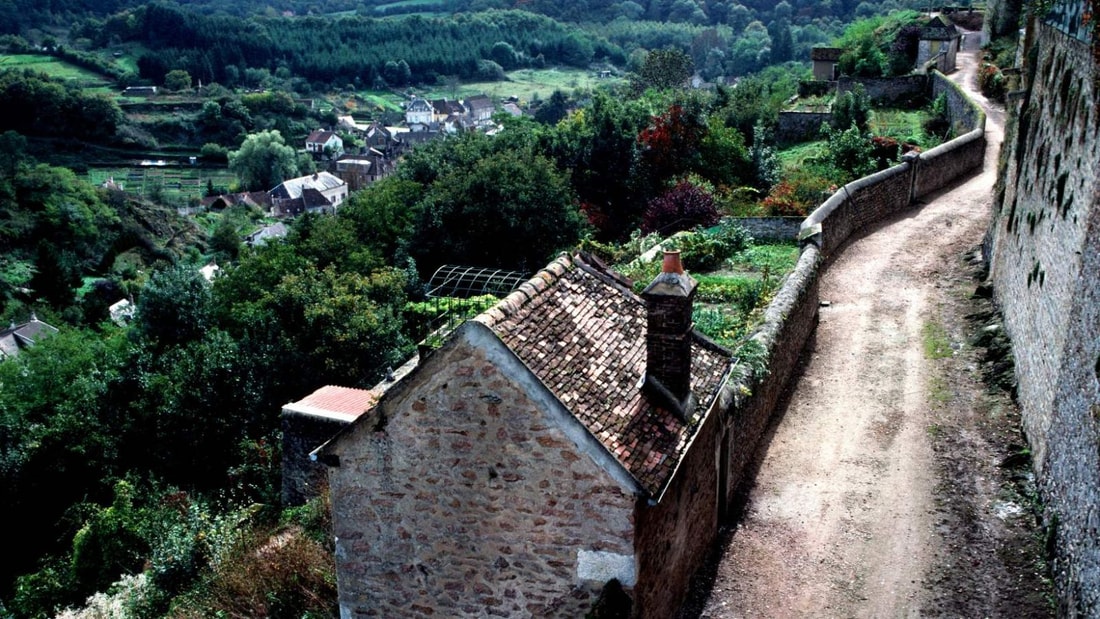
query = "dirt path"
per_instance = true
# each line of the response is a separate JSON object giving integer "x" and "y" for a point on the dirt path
{"x": 878, "y": 490}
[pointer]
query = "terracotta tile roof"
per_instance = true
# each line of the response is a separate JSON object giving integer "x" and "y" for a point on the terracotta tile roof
{"x": 582, "y": 333}
{"x": 341, "y": 402}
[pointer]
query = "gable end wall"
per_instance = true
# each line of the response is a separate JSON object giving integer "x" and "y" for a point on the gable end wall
{"x": 472, "y": 502}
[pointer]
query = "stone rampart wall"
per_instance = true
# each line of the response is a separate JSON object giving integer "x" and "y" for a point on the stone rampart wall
{"x": 675, "y": 534}
{"x": 1045, "y": 268}
{"x": 965, "y": 114}
{"x": 938, "y": 167}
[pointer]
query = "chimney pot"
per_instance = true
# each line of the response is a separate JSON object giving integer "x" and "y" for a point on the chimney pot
{"x": 671, "y": 262}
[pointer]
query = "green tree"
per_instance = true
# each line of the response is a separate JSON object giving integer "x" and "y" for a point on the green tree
{"x": 850, "y": 152}
{"x": 174, "y": 306}
{"x": 511, "y": 210}
{"x": 600, "y": 148}
{"x": 553, "y": 109}
{"x": 504, "y": 54}
{"x": 110, "y": 544}
{"x": 225, "y": 242}
{"x": 383, "y": 215}
{"x": 263, "y": 161}
{"x": 177, "y": 80}
{"x": 853, "y": 107}
{"x": 663, "y": 69}
{"x": 60, "y": 424}
{"x": 723, "y": 157}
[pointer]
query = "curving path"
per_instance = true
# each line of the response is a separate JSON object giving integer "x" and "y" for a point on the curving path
{"x": 843, "y": 519}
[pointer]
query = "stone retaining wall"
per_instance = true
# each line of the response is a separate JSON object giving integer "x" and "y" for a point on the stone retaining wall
{"x": 1044, "y": 251}
{"x": 904, "y": 91}
{"x": 793, "y": 127}
{"x": 771, "y": 228}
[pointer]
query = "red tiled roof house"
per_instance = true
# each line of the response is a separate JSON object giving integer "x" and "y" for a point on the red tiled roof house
{"x": 568, "y": 437}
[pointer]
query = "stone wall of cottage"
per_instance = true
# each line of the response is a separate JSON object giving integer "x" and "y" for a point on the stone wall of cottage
{"x": 676, "y": 533}
{"x": 1044, "y": 250}
{"x": 464, "y": 499}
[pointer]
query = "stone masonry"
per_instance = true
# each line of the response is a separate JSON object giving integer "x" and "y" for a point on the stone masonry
{"x": 1044, "y": 255}
{"x": 483, "y": 510}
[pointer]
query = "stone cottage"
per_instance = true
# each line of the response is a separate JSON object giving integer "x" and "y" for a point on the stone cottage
{"x": 825, "y": 60}
{"x": 574, "y": 435}
{"x": 939, "y": 41}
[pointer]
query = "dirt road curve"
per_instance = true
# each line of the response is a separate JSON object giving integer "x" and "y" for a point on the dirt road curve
{"x": 878, "y": 492}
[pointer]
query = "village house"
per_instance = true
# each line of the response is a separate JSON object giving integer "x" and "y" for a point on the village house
{"x": 360, "y": 170}
{"x": 321, "y": 192}
{"x": 939, "y": 41}
{"x": 139, "y": 91}
{"x": 324, "y": 143}
{"x": 251, "y": 199}
{"x": 479, "y": 109}
{"x": 418, "y": 114}
{"x": 382, "y": 139}
{"x": 18, "y": 337}
{"x": 825, "y": 61}
{"x": 444, "y": 110}
{"x": 570, "y": 442}
{"x": 265, "y": 234}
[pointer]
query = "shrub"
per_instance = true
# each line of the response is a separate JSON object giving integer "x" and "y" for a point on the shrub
{"x": 801, "y": 192}
{"x": 708, "y": 250}
{"x": 991, "y": 82}
{"x": 938, "y": 122}
{"x": 851, "y": 108}
{"x": 683, "y": 207}
{"x": 740, "y": 292}
{"x": 850, "y": 153}
{"x": 283, "y": 574}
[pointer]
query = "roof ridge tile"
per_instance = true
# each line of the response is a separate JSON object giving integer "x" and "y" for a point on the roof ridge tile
{"x": 526, "y": 292}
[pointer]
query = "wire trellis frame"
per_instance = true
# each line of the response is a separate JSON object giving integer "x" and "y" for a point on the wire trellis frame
{"x": 464, "y": 281}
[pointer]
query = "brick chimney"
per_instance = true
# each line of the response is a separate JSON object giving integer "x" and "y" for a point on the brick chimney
{"x": 669, "y": 301}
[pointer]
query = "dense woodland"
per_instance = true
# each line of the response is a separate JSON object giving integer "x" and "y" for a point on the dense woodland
{"x": 231, "y": 47}
{"x": 151, "y": 447}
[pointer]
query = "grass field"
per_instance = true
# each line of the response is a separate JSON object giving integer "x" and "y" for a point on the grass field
{"x": 799, "y": 155}
{"x": 904, "y": 125}
{"x": 526, "y": 83}
{"x": 177, "y": 186}
{"x": 55, "y": 68}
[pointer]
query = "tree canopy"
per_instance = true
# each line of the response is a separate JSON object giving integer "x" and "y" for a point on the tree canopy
{"x": 263, "y": 161}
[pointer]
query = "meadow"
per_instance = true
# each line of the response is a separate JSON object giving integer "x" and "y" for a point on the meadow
{"x": 59, "y": 69}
